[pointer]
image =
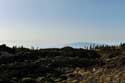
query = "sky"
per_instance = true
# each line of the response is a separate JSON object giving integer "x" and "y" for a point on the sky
{"x": 53, "y": 22}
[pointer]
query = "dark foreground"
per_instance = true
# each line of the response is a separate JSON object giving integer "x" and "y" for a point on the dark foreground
{"x": 102, "y": 64}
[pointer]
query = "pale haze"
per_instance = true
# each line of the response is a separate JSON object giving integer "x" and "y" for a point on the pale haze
{"x": 47, "y": 23}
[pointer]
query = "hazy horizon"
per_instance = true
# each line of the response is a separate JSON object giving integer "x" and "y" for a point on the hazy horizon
{"x": 45, "y": 23}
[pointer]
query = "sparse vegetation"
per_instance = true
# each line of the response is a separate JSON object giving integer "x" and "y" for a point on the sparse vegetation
{"x": 102, "y": 64}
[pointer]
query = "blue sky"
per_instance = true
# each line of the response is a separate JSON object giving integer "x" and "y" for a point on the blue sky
{"x": 50, "y": 22}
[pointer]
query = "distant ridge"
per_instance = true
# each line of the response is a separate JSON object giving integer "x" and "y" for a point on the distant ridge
{"x": 82, "y": 45}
